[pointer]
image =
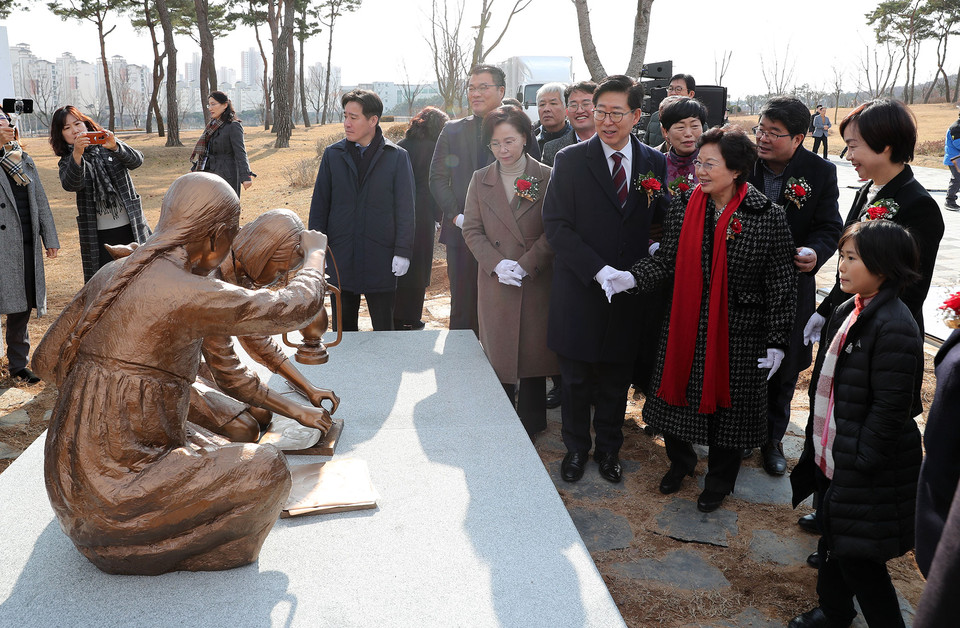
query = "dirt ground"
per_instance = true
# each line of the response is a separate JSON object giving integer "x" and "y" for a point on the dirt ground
{"x": 776, "y": 590}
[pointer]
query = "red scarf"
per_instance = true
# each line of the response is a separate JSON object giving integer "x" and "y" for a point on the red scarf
{"x": 685, "y": 311}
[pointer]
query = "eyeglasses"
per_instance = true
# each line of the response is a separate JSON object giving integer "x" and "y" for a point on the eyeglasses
{"x": 615, "y": 116}
{"x": 760, "y": 133}
{"x": 508, "y": 143}
{"x": 483, "y": 88}
{"x": 676, "y": 89}
{"x": 587, "y": 106}
{"x": 704, "y": 165}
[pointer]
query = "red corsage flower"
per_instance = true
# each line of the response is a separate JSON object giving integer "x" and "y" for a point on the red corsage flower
{"x": 799, "y": 191}
{"x": 950, "y": 311}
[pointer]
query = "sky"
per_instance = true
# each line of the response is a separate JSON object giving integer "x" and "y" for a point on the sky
{"x": 375, "y": 42}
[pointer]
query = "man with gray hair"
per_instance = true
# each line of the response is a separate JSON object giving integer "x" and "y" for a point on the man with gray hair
{"x": 551, "y": 107}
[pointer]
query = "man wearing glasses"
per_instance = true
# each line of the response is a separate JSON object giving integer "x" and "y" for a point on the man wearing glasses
{"x": 579, "y": 102}
{"x": 815, "y": 223}
{"x": 680, "y": 85}
{"x": 597, "y": 222}
{"x": 459, "y": 153}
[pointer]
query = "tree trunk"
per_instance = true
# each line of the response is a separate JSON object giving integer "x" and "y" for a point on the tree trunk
{"x": 641, "y": 29}
{"x": 154, "y": 107}
{"x": 208, "y": 73}
{"x": 303, "y": 90}
{"x": 326, "y": 88}
{"x": 267, "y": 110}
{"x": 173, "y": 122}
{"x": 291, "y": 74}
{"x": 590, "y": 55}
{"x": 106, "y": 73}
{"x": 282, "y": 79}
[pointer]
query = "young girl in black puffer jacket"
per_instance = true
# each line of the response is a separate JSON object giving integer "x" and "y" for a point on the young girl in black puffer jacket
{"x": 862, "y": 453}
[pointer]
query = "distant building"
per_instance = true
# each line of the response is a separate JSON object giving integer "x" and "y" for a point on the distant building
{"x": 251, "y": 67}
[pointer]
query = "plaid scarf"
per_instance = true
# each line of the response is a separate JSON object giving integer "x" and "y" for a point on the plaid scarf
{"x": 11, "y": 158}
{"x": 824, "y": 421}
{"x": 199, "y": 155}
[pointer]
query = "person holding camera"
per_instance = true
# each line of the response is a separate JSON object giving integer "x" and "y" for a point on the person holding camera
{"x": 96, "y": 165}
{"x": 25, "y": 221}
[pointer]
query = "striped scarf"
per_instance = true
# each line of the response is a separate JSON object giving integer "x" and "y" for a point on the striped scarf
{"x": 824, "y": 421}
{"x": 11, "y": 158}
{"x": 199, "y": 155}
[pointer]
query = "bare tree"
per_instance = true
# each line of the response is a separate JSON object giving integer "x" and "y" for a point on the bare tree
{"x": 306, "y": 28}
{"x": 314, "y": 90}
{"x": 721, "y": 66}
{"x": 778, "y": 74}
{"x": 449, "y": 58}
{"x": 43, "y": 91}
{"x": 479, "y": 52}
{"x": 95, "y": 11}
{"x": 641, "y": 29}
{"x": 879, "y": 73}
{"x": 331, "y": 10}
{"x": 145, "y": 17}
{"x": 838, "y": 75}
{"x": 410, "y": 90}
{"x": 170, "y": 48}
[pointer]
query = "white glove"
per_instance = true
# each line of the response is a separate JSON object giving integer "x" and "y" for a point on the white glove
{"x": 619, "y": 281}
{"x": 400, "y": 265}
{"x": 811, "y": 331}
{"x": 603, "y": 273}
{"x": 438, "y": 226}
{"x": 458, "y": 220}
{"x": 772, "y": 361}
{"x": 653, "y": 248}
{"x": 507, "y": 272}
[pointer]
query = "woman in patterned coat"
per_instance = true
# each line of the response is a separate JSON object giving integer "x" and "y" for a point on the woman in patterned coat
{"x": 108, "y": 206}
{"x": 710, "y": 390}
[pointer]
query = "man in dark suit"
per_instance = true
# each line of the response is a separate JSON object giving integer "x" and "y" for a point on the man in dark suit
{"x": 814, "y": 217}
{"x": 597, "y": 221}
{"x": 459, "y": 153}
{"x": 579, "y": 103}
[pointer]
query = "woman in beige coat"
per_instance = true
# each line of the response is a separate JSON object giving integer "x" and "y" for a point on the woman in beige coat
{"x": 504, "y": 230}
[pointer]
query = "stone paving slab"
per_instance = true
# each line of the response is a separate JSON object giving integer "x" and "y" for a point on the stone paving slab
{"x": 8, "y": 452}
{"x": 756, "y": 486}
{"x": 769, "y": 547}
{"x": 11, "y": 398}
{"x": 683, "y": 569}
{"x": 602, "y": 530}
{"x": 681, "y": 520}
{"x": 17, "y": 417}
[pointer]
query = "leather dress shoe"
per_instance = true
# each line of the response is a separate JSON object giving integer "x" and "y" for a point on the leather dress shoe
{"x": 747, "y": 452}
{"x": 709, "y": 501}
{"x": 808, "y": 523}
{"x": 609, "y": 466}
{"x": 774, "y": 461}
{"x": 673, "y": 480}
{"x": 815, "y": 619}
{"x": 553, "y": 397}
{"x": 573, "y": 465}
{"x": 26, "y": 375}
{"x": 814, "y": 560}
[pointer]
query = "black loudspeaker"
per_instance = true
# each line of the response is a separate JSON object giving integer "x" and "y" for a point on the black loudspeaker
{"x": 715, "y": 98}
{"x": 657, "y": 70}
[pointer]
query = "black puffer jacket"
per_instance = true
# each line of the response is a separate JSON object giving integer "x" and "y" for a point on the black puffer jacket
{"x": 869, "y": 507}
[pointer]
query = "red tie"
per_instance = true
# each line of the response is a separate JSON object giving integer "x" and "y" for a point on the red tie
{"x": 619, "y": 178}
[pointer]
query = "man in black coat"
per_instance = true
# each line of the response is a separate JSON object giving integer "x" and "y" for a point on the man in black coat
{"x": 806, "y": 187}
{"x": 364, "y": 201}
{"x": 596, "y": 218}
{"x": 459, "y": 153}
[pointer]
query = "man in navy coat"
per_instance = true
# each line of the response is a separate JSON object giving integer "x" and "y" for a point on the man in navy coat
{"x": 459, "y": 153}
{"x": 597, "y": 219}
{"x": 364, "y": 201}
{"x": 815, "y": 224}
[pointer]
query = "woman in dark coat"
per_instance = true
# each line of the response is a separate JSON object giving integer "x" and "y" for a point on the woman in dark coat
{"x": 720, "y": 329}
{"x": 108, "y": 206}
{"x": 862, "y": 451}
{"x": 26, "y": 228}
{"x": 220, "y": 149}
{"x": 419, "y": 142}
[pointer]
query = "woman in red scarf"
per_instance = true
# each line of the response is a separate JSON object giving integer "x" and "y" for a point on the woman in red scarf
{"x": 729, "y": 252}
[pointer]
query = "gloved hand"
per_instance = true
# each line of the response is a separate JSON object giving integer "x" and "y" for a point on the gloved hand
{"x": 653, "y": 248}
{"x": 458, "y": 221}
{"x": 772, "y": 361}
{"x": 400, "y": 265}
{"x": 508, "y": 272}
{"x": 619, "y": 281}
{"x": 811, "y": 331}
{"x": 437, "y": 225}
{"x": 603, "y": 273}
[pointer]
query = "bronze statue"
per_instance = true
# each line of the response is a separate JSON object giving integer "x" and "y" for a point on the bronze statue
{"x": 136, "y": 489}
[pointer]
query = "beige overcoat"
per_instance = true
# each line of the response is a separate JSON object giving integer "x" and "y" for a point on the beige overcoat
{"x": 513, "y": 321}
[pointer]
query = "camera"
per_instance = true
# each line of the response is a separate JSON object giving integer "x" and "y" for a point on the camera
{"x": 96, "y": 137}
{"x": 16, "y": 106}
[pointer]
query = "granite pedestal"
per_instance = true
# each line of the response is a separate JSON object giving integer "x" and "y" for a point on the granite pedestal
{"x": 469, "y": 529}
